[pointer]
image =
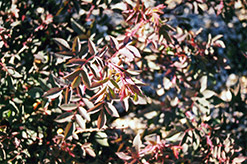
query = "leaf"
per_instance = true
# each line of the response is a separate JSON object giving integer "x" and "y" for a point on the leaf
{"x": 88, "y": 103}
{"x": 53, "y": 93}
{"x": 208, "y": 93}
{"x": 126, "y": 103}
{"x": 77, "y": 27}
{"x": 239, "y": 160}
{"x": 80, "y": 121}
{"x": 73, "y": 75}
{"x": 134, "y": 50}
{"x": 76, "y": 61}
{"x": 85, "y": 79}
{"x": 91, "y": 47}
{"x": 69, "y": 130}
{"x": 137, "y": 143}
{"x": 114, "y": 83}
{"x": 101, "y": 138}
{"x": 76, "y": 82}
{"x": 63, "y": 44}
{"x": 76, "y": 47}
{"x": 114, "y": 43}
{"x": 111, "y": 110}
{"x": 123, "y": 156}
{"x": 127, "y": 53}
{"x": 68, "y": 107}
{"x": 68, "y": 95}
{"x": 101, "y": 120}
{"x": 203, "y": 81}
{"x": 84, "y": 113}
{"x": 64, "y": 117}
{"x": 90, "y": 151}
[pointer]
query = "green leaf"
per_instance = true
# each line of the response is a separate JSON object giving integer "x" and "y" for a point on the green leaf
{"x": 76, "y": 82}
{"x": 68, "y": 107}
{"x": 53, "y": 93}
{"x": 114, "y": 83}
{"x": 77, "y": 27}
{"x": 69, "y": 130}
{"x": 64, "y": 117}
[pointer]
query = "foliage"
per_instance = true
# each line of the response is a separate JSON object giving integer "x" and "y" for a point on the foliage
{"x": 75, "y": 75}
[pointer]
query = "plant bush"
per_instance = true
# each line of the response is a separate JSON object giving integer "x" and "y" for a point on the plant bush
{"x": 123, "y": 81}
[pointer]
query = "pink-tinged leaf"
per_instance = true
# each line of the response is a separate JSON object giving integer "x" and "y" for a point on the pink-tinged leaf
{"x": 125, "y": 52}
{"x": 76, "y": 61}
{"x": 90, "y": 151}
{"x": 100, "y": 92}
{"x": 238, "y": 160}
{"x": 82, "y": 89}
{"x": 111, "y": 110}
{"x": 220, "y": 7}
{"x": 76, "y": 47}
{"x": 84, "y": 114}
{"x": 101, "y": 120}
{"x": 80, "y": 121}
{"x": 85, "y": 79}
{"x": 114, "y": 43}
{"x": 73, "y": 75}
{"x": 64, "y": 117}
{"x": 68, "y": 107}
{"x": 123, "y": 156}
{"x": 53, "y": 93}
{"x": 137, "y": 143}
{"x": 103, "y": 51}
{"x": 76, "y": 82}
{"x": 63, "y": 44}
{"x": 95, "y": 109}
{"x": 134, "y": 50}
{"x": 91, "y": 47}
{"x": 69, "y": 130}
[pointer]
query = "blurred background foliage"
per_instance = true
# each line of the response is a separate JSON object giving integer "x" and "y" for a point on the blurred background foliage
{"x": 195, "y": 93}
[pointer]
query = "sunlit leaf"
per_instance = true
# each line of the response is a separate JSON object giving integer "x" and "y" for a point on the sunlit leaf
{"x": 114, "y": 43}
{"x": 80, "y": 121}
{"x": 101, "y": 138}
{"x": 53, "y": 93}
{"x": 91, "y": 47}
{"x": 68, "y": 107}
{"x": 85, "y": 79}
{"x": 63, "y": 44}
{"x": 111, "y": 110}
{"x": 90, "y": 151}
{"x": 123, "y": 156}
{"x": 84, "y": 113}
{"x": 76, "y": 47}
{"x": 137, "y": 143}
{"x": 114, "y": 83}
{"x": 134, "y": 50}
